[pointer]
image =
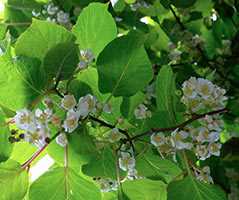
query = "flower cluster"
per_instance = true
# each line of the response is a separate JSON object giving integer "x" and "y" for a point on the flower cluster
{"x": 127, "y": 162}
{"x": 202, "y": 138}
{"x": 202, "y": 95}
{"x": 53, "y": 13}
{"x": 106, "y": 184}
{"x": 35, "y": 125}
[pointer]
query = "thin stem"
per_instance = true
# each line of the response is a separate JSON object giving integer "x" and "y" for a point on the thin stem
{"x": 182, "y": 125}
{"x": 38, "y": 152}
{"x": 34, "y": 156}
{"x": 66, "y": 170}
{"x": 177, "y": 18}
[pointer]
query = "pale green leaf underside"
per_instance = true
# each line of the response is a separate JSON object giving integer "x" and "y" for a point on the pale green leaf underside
{"x": 189, "y": 188}
{"x": 145, "y": 189}
{"x": 40, "y": 37}
{"x": 5, "y": 145}
{"x": 13, "y": 181}
{"x": 62, "y": 184}
{"x": 95, "y": 28}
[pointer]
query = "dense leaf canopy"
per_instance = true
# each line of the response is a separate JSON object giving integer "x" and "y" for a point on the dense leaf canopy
{"x": 119, "y": 99}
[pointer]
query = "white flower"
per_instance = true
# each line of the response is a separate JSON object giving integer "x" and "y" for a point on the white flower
{"x": 204, "y": 87}
{"x": 52, "y": 9}
{"x": 25, "y": 120}
{"x": 62, "y": 17}
{"x": 87, "y": 55}
{"x": 71, "y": 121}
{"x": 115, "y": 135}
{"x": 62, "y": 140}
{"x": 82, "y": 65}
{"x": 43, "y": 116}
{"x": 113, "y": 2}
{"x": 126, "y": 162}
{"x": 189, "y": 88}
{"x": 86, "y": 105}
{"x": 132, "y": 174}
{"x": 157, "y": 139}
{"x": 107, "y": 108}
{"x": 214, "y": 148}
{"x": 178, "y": 138}
{"x": 35, "y": 13}
{"x": 107, "y": 185}
{"x": 68, "y": 102}
{"x": 142, "y": 112}
{"x": 37, "y": 137}
{"x": 212, "y": 123}
{"x": 206, "y": 136}
{"x": 202, "y": 152}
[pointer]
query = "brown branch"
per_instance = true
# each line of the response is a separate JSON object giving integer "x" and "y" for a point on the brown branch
{"x": 180, "y": 126}
{"x": 26, "y": 164}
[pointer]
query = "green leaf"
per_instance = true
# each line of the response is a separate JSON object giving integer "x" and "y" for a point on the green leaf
{"x": 154, "y": 167}
{"x": 102, "y": 165}
{"x": 40, "y": 37}
{"x": 189, "y": 188}
{"x": 145, "y": 189}
{"x": 95, "y": 28}
{"x": 130, "y": 103}
{"x": 83, "y": 145}
{"x": 13, "y": 181}
{"x": 62, "y": 184}
{"x": 21, "y": 82}
{"x": 5, "y": 145}
{"x": 123, "y": 66}
{"x": 61, "y": 60}
{"x": 183, "y": 3}
{"x": 22, "y": 151}
{"x": 165, "y": 93}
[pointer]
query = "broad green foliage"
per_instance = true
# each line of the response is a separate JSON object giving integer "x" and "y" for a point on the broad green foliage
{"x": 153, "y": 167}
{"x": 189, "y": 188}
{"x": 145, "y": 189}
{"x": 5, "y": 146}
{"x": 123, "y": 66}
{"x": 40, "y": 38}
{"x": 102, "y": 165}
{"x": 13, "y": 181}
{"x": 95, "y": 28}
{"x": 132, "y": 99}
{"x": 61, "y": 184}
{"x": 22, "y": 79}
{"x": 61, "y": 60}
{"x": 166, "y": 93}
